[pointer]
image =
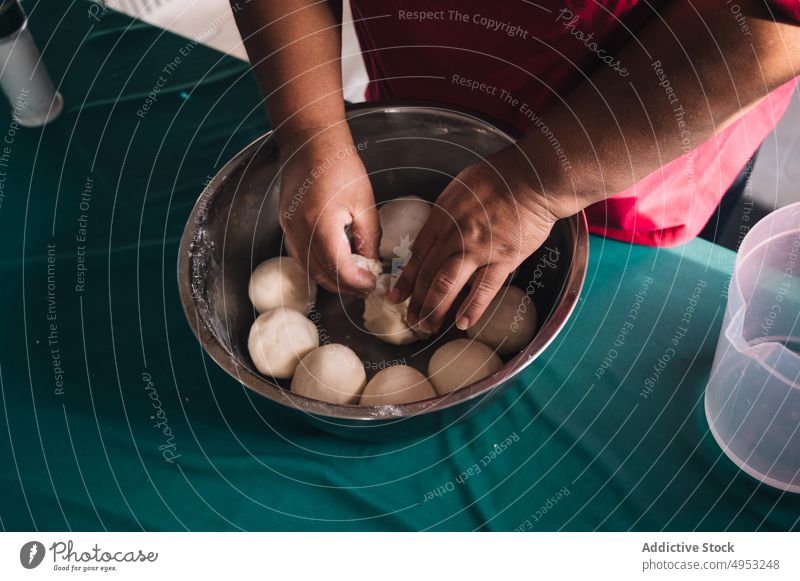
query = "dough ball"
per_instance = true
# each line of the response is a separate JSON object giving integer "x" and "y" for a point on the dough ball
{"x": 281, "y": 282}
{"x": 332, "y": 373}
{"x": 279, "y": 339}
{"x": 508, "y": 323}
{"x": 459, "y": 363}
{"x": 401, "y": 220}
{"x": 395, "y": 385}
{"x": 371, "y": 265}
{"x": 385, "y": 320}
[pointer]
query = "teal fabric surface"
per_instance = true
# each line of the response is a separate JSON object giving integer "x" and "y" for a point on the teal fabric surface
{"x": 114, "y": 419}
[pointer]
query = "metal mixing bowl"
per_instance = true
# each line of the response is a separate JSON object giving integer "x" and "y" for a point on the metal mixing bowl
{"x": 408, "y": 149}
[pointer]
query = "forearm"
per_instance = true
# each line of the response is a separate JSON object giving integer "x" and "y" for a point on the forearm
{"x": 693, "y": 71}
{"x": 294, "y": 48}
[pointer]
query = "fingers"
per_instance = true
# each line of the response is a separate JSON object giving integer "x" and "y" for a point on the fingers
{"x": 443, "y": 290}
{"x": 424, "y": 278}
{"x": 488, "y": 280}
{"x": 319, "y": 275}
{"x": 331, "y": 250}
{"x": 419, "y": 251}
{"x": 298, "y": 249}
{"x": 366, "y": 231}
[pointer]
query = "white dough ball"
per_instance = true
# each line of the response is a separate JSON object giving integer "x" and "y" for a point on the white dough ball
{"x": 281, "y": 282}
{"x": 371, "y": 265}
{"x": 401, "y": 220}
{"x": 279, "y": 339}
{"x": 508, "y": 323}
{"x": 395, "y": 385}
{"x": 459, "y": 363}
{"x": 331, "y": 373}
{"x": 386, "y": 320}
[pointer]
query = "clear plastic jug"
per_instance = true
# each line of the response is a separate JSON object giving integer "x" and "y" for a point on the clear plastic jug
{"x": 752, "y": 399}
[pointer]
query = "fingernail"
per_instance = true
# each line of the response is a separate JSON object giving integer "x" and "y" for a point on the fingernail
{"x": 462, "y": 323}
{"x": 394, "y": 295}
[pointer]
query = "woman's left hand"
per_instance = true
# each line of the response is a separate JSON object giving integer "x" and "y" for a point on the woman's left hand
{"x": 483, "y": 225}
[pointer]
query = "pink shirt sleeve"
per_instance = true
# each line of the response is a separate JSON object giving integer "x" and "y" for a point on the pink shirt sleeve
{"x": 789, "y": 8}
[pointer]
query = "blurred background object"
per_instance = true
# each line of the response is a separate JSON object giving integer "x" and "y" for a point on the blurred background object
{"x": 211, "y": 22}
{"x": 23, "y": 77}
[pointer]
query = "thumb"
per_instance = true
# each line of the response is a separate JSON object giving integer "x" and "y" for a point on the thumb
{"x": 332, "y": 252}
{"x": 366, "y": 230}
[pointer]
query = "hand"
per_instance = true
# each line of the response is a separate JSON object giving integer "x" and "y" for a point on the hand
{"x": 325, "y": 188}
{"x": 484, "y": 224}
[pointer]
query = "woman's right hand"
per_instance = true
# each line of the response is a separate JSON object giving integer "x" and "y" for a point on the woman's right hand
{"x": 324, "y": 189}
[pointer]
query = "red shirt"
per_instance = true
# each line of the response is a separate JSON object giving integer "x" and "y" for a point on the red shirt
{"x": 536, "y": 53}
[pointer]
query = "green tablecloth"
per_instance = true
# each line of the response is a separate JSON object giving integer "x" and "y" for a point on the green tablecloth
{"x": 113, "y": 418}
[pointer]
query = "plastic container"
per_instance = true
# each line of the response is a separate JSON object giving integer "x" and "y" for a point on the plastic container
{"x": 24, "y": 78}
{"x": 753, "y": 396}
